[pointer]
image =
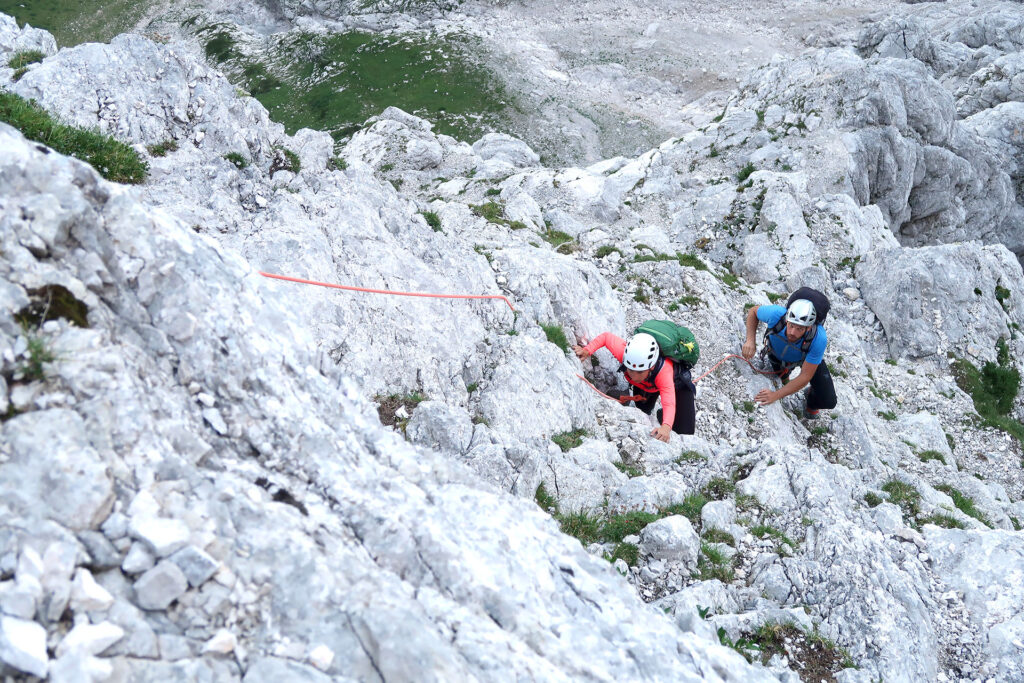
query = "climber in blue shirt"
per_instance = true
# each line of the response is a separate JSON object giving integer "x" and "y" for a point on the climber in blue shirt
{"x": 793, "y": 338}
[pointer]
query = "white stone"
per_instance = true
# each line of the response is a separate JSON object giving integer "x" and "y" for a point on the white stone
{"x": 90, "y": 639}
{"x": 138, "y": 559}
{"x": 321, "y": 657}
{"x": 160, "y": 586}
{"x": 223, "y": 642}
{"x": 87, "y": 595}
{"x": 162, "y": 535}
{"x": 23, "y": 646}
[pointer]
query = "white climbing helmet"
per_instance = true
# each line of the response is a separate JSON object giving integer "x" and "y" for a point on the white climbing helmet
{"x": 801, "y": 312}
{"x": 641, "y": 352}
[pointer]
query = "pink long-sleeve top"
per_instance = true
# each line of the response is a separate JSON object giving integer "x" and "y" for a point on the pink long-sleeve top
{"x": 664, "y": 381}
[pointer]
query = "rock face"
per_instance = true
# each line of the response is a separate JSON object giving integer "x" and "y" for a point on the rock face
{"x": 224, "y": 477}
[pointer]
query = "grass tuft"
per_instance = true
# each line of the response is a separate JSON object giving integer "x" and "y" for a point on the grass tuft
{"x": 964, "y": 503}
{"x": 162, "y": 148}
{"x": 904, "y": 495}
{"x": 993, "y": 389}
{"x": 237, "y": 160}
{"x": 569, "y": 440}
{"x": 111, "y": 158}
{"x": 432, "y": 219}
{"x": 556, "y": 335}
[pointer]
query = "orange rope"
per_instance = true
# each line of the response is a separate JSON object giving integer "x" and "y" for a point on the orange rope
{"x": 713, "y": 368}
{"x": 388, "y": 291}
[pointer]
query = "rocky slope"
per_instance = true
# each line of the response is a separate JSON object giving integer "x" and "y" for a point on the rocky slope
{"x": 199, "y": 486}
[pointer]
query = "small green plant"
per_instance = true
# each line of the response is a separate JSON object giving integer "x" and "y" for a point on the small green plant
{"x": 545, "y": 500}
{"x": 1002, "y": 294}
{"x": 719, "y": 488}
{"x": 556, "y": 335}
{"x": 768, "y": 531}
{"x": 237, "y": 160}
{"x": 432, "y": 219}
{"x": 890, "y": 361}
{"x": 713, "y": 564}
{"x": 691, "y": 261}
{"x": 384, "y": 168}
{"x": 285, "y": 160}
{"x": 730, "y": 280}
{"x": 872, "y": 500}
{"x": 718, "y": 536}
{"x": 337, "y": 164}
{"x": 629, "y": 470}
{"x": 472, "y": 386}
{"x": 749, "y": 406}
{"x": 887, "y": 415}
{"x": 583, "y": 525}
{"x": 606, "y": 250}
{"x": 517, "y": 225}
{"x": 748, "y": 503}
{"x": 162, "y": 148}
{"x": 964, "y": 503}
{"x": 492, "y": 212}
{"x": 640, "y": 296}
{"x": 904, "y": 495}
{"x": 745, "y": 172}
{"x": 220, "y": 47}
{"x": 945, "y": 521}
{"x": 21, "y": 60}
{"x": 556, "y": 238}
{"x": 993, "y": 389}
{"x": 617, "y": 527}
{"x": 569, "y": 440}
{"x": 712, "y": 151}
{"x": 627, "y": 552}
{"x": 689, "y": 508}
{"x": 111, "y": 158}
{"x": 492, "y": 191}
{"x": 925, "y": 456}
{"x": 39, "y": 354}
{"x": 690, "y": 456}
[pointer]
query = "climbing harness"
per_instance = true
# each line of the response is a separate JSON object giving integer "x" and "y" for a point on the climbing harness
{"x": 388, "y": 291}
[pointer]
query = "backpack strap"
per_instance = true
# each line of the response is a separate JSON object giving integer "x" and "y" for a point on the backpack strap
{"x": 805, "y": 344}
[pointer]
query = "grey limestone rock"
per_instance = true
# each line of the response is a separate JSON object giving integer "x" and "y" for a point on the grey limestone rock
{"x": 196, "y": 564}
{"x": 671, "y": 538}
{"x": 160, "y": 586}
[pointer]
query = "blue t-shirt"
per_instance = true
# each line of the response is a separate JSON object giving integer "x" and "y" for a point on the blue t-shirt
{"x": 782, "y": 348}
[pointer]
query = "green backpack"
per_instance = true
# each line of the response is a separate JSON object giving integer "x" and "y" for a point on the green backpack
{"x": 675, "y": 341}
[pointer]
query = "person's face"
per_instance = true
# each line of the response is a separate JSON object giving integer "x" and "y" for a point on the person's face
{"x": 636, "y": 376}
{"x": 795, "y": 332}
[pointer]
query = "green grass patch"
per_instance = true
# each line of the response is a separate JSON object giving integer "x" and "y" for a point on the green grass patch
{"x": 925, "y": 456}
{"x": 556, "y": 238}
{"x": 689, "y": 508}
{"x": 627, "y": 552}
{"x": 20, "y": 60}
{"x": 285, "y": 160}
{"x": 162, "y": 148}
{"x": 237, "y": 160}
{"x": 569, "y": 440}
{"x": 719, "y": 488}
{"x": 84, "y": 21}
{"x": 745, "y": 172}
{"x": 887, "y": 415}
{"x": 492, "y": 212}
{"x": 719, "y": 536}
{"x": 432, "y": 219}
{"x": 690, "y": 456}
{"x": 629, "y": 470}
{"x": 691, "y": 261}
{"x": 964, "y": 503}
{"x": 337, "y": 164}
{"x": 872, "y": 499}
{"x": 112, "y": 159}
{"x": 606, "y": 250}
{"x": 816, "y": 657}
{"x": 617, "y": 527}
{"x": 582, "y": 525}
{"x": 993, "y": 389}
{"x": 763, "y": 531}
{"x": 904, "y": 495}
{"x": 713, "y": 564}
{"x": 556, "y": 335}
{"x": 945, "y": 521}
{"x": 52, "y": 302}
{"x": 336, "y": 81}
{"x": 545, "y": 500}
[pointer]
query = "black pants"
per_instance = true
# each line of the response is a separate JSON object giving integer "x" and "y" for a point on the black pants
{"x": 822, "y": 392}
{"x": 685, "y": 421}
